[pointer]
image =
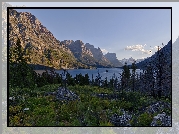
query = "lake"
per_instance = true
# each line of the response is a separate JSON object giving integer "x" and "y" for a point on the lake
{"x": 104, "y": 72}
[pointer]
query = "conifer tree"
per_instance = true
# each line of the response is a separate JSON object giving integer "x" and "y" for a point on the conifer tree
{"x": 125, "y": 75}
{"x": 126, "y": 71}
{"x": 133, "y": 67}
{"x": 20, "y": 73}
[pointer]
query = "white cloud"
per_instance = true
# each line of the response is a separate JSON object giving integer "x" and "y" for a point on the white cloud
{"x": 138, "y": 48}
{"x": 147, "y": 51}
{"x": 155, "y": 48}
{"x": 104, "y": 51}
{"x": 134, "y": 47}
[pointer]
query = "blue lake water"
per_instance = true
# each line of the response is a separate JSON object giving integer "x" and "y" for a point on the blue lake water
{"x": 104, "y": 72}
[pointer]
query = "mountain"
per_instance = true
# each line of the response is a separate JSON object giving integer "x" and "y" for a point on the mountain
{"x": 130, "y": 61}
{"x": 81, "y": 53}
{"x": 44, "y": 49}
{"x": 113, "y": 59}
{"x": 165, "y": 53}
{"x": 98, "y": 55}
{"x": 86, "y": 53}
{"x": 139, "y": 60}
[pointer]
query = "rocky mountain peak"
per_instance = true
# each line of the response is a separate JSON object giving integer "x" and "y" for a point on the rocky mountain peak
{"x": 96, "y": 52}
{"x": 77, "y": 47}
{"x": 111, "y": 55}
{"x": 44, "y": 47}
{"x": 68, "y": 42}
{"x": 113, "y": 59}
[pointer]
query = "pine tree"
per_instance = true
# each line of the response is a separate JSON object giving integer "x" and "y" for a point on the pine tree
{"x": 125, "y": 75}
{"x": 133, "y": 74}
{"x": 126, "y": 71}
{"x": 20, "y": 73}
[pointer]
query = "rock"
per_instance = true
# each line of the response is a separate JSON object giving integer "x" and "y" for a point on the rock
{"x": 157, "y": 107}
{"x": 122, "y": 120}
{"x": 98, "y": 55}
{"x": 102, "y": 95}
{"x": 63, "y": 94}
{"x": 26, "y": 109}
{"x": 161, "y": 120}
{"x": 12, "y": 98}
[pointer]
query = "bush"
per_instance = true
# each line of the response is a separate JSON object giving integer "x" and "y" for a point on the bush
{"x": 145, "y": 119}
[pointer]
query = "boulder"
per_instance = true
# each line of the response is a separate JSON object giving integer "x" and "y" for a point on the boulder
{"x": 161, "y": 120}
{"x": 122, "y": 120}
{"x": 63, "y": 94}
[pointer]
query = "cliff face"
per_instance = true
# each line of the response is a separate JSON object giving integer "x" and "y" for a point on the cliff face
{"x": 77, "y": 47}
{"x": 98, "y": 55}
{"x": 43, "y": 47}
{"x": 81, "y": 53}
{"x": 113, "y": 59}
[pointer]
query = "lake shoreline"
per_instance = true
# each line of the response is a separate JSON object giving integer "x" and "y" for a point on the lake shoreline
{"x": 103, "y": 72}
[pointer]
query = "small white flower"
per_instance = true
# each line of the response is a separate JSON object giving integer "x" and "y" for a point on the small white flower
{"x": 11, "y": 98}
{"x": 25, "y": 109}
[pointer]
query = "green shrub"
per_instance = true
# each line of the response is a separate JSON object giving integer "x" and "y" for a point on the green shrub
{"x": 126, "y": 105}
{"x": 145, "y": 119}
{"x": 105, "y": 124}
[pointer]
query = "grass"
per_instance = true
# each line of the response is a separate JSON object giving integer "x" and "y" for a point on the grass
{"x": 89, "y": 111}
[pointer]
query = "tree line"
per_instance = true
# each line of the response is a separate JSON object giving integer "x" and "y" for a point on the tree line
{"x": 155, "y": 79}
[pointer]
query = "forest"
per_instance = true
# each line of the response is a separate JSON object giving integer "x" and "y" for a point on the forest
{"x": 52, "y": 99}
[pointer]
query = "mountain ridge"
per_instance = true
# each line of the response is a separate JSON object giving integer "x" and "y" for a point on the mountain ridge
{"x": 45, "y": 49}
{"x": 38, "y": 40}
{"x": 166, "y": 50}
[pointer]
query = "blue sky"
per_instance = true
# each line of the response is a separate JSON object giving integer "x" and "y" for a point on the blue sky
{"x": 126, "y": 32}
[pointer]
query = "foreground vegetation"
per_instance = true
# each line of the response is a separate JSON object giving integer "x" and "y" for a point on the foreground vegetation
{"x": 32, "y": 108}
{"x": 99, "y": 100}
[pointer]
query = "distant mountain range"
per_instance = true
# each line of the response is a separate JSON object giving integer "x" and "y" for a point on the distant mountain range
{"x": 130, "y": 61}
{"x": 113, "y": 59}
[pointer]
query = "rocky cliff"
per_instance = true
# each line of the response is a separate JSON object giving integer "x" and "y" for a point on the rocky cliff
{"x": 77, "y": 47}
{"x": 113, "y": 59}
{"x": 81, "y": 53}
{"x": 98, "y": 55}
{"x": 43, "y": 47}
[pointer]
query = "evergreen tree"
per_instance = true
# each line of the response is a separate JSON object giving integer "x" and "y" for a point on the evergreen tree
{"x": 150, "y": 79}
{"x": 133, "y": 67}
{"x": 126, "y": 71}
{"x": 125, "y": 75}
{"x": 20, "y": 73}
{"x": 162, "y": 69}
{"x": 86, "y": 79}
